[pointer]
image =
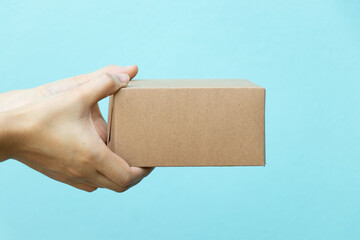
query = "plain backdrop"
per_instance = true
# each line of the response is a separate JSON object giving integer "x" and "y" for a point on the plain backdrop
{"x": 305, "y": 53}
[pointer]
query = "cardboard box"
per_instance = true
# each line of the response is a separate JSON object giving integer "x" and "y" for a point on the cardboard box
{"x": 184, "y": 122}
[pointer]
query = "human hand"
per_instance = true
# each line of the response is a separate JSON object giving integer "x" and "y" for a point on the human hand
{"x": 58, "y": 130}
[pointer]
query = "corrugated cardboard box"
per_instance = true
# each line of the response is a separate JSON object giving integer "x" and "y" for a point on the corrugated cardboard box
{"x": 184, "y": 122}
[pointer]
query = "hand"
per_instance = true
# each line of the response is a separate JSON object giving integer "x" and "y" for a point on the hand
{"x": 58, "y": 130}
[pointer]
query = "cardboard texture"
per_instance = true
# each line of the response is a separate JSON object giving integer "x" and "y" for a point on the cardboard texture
{"x": 185, "y": 122}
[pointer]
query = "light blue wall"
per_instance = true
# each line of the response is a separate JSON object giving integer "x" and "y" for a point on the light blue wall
{"x": 305, "y": 53}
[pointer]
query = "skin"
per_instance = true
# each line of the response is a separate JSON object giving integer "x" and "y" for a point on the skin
{"x": 58, "y": 130}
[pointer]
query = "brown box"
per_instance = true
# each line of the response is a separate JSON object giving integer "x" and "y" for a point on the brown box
{"x": 184, "y": 122}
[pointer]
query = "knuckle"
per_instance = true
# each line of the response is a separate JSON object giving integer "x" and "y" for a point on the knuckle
{"x": 78, "y": 80}
{"x": 79, "y": 170}
{"x": 126, "y": 179}
{"x": 90, "y": 156}
{"x": 109, "y": 81}
{"x": 97, "y": 162}
{"x": 88, "y": 153}
{"x": 120, "y": 190}
{"x": 96, "y": 158}
{"x": 90, "y": 189}
{"x": 74, "y": 174}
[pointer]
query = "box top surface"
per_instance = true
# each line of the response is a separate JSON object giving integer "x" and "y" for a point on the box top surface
{"x": 191, "y": 83}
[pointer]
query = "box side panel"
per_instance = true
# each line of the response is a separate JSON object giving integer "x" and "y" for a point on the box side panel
{"x": 109, "y": 123}
{"x": 264, "y": 115}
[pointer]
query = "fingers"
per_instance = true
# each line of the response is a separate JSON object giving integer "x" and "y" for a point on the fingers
{"x": 100, "y": 87}
{"x": 129, "y": 70}
{"x": 111, "y": 172}
{"x": 140, "y": 173}
{"x": 73, "y": 82}
{"x": 99, "y": 180}
{"x": 83, "y": 186}
{"x": 102, "y": 181}
{"x": 111, "y": 69}
{"x": 115, "y": 70}
{"x": 118, "y": 171}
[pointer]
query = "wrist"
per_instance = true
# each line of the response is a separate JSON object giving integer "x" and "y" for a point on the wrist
{"x": 4, "y": 135}
{"x": 9, "y": 134}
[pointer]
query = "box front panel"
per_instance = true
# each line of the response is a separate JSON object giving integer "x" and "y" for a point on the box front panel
{"x": 189, "y": 127}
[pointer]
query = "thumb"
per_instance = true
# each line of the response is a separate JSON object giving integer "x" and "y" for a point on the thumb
{"x": 101, "y": 86}
{"x": 73, "y": 82}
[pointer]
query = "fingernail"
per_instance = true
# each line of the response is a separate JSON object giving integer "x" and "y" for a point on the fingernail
{"x": 123, "y": 77}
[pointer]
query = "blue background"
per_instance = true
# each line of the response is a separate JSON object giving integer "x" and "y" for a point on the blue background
{"x": 305, "y": 53}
